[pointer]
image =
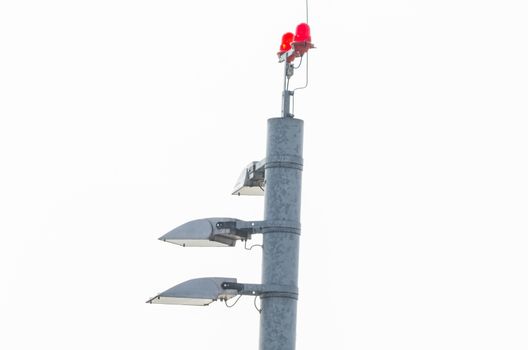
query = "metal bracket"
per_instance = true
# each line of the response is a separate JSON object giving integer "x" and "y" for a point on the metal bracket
{"x": 287, "y": 94}
{"x": 245, "y": 229}
{"x": 286, "y": 103}
{"x": 284, "y": 162}
{"x": 263, "y": 290}
{"x": 285, "y": 55}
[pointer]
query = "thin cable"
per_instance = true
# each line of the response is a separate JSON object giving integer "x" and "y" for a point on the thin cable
{"x": 306, "y": 83}
{"x": 236, "y": 301}
{"x": 306, "y": 11}
{"x": 300, "y": 62}
{"x": 255, "y": 304}
{"x": 254, "y": 245}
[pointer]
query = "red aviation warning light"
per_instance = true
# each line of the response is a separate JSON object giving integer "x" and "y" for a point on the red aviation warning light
{"x": 302, "y": 33}
{"x": 287, "y": 39}
{"x": 303, "y": 40}
{"x": 294, "y": 46}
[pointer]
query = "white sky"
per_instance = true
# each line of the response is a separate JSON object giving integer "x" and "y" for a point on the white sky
{"x": 120, "y": 120}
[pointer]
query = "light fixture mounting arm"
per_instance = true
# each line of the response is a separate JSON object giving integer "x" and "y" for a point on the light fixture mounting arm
{"x": 247, "y": 228}
{"x": 262, "y": 290}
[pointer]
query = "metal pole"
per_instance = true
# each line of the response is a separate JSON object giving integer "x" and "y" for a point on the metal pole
{"x": 281, "y": 240}
{"x": 286, "y": 94}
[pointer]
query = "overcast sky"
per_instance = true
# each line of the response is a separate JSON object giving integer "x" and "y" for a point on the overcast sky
{"x": 120, "y": 120}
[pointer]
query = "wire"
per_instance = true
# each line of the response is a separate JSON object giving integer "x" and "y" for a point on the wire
{"x": 306, "y": 83}
{"x": 300, "y": 62}
{"x": 255, "y": 304}
{"x": 306, "y": 11}
{"x": 254, "y": 245}
{"x": 236, "y": 301}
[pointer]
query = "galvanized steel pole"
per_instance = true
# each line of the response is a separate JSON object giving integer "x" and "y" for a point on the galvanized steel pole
{"x": 282, "y": 211}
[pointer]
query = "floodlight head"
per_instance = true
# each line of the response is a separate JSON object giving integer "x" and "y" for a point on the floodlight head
{"x": 210, "y": 232}
{"x": 251, "y": 181}
{"x": 199, "y": 292}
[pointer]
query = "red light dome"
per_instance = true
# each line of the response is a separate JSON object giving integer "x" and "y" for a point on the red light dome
{"x": 302, "y": 33}
{"x": 287, "y": 39}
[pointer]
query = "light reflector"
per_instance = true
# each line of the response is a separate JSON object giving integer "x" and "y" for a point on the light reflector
{"x": 198, "y": 292}
{"x": 202, "y": 233}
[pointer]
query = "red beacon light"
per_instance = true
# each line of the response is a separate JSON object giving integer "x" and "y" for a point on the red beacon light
{"x": 287, "y": 39}
{"x": 303, "y": 40}
{"x": 302, "y": 33}
{"x": 294, "y": 46}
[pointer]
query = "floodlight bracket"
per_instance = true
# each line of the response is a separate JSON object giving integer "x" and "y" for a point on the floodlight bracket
{"x": 245, "y": 229}
{"x": 262, "y": 290}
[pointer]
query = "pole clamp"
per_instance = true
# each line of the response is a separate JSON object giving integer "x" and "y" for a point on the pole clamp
{"x": 292, "y": 162}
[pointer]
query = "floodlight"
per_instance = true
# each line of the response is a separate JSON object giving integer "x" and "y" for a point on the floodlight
{"x": 203, "y": 291}
{"x": 199, "y": 292}
{"x": 251, "y": 181}
{"x": 212, "y": 232}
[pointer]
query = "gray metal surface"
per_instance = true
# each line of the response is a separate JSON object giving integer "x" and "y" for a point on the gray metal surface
{"x": 266, "y": 290}
{"x": 205, "y": 233}
{"x": 198, "y": 291}
{"x": 281, "y": 242}
{"x": 251, "y": 181}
